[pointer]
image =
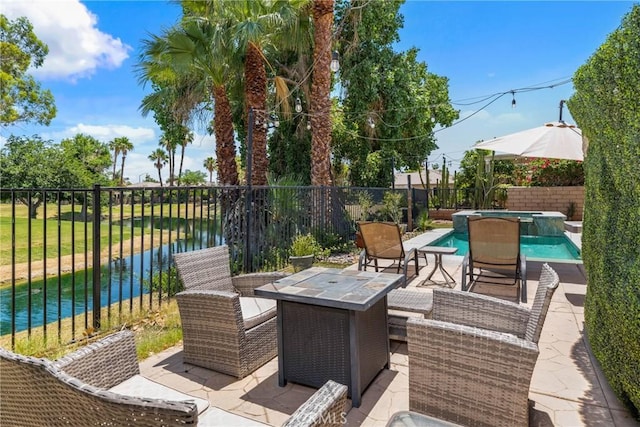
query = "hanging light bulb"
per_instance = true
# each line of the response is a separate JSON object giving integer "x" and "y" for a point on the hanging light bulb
{"x": 275, "y": 120}
{"x": 335, "y": 62}
{"x": 308, "y": 125}
{"x": 298, "y": 106}
{"x": 370, "y": 122}
{"x": 513, "y": 101}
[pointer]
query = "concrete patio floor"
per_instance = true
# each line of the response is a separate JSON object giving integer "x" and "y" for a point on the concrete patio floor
{"x": 567, "y": 388}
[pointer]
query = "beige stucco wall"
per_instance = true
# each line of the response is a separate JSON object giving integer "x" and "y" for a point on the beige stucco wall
{"x": 546, "y": 199}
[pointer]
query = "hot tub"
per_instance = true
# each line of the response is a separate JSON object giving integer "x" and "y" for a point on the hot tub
{"x": 541, "y": 223}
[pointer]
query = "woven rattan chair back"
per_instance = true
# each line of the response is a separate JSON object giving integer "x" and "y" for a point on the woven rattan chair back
{"x": 36, "y": 392}
{"x": 494, "y": 242}
{"x": 382, "y": 240}
{"x": 547, "y": 285}
{"x": 205, "y": 269}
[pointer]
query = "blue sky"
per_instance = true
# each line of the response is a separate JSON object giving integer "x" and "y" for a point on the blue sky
{"x": 482, "y": 47}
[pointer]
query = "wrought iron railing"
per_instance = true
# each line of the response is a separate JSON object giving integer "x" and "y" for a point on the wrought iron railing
{"x": 53, "y": 238}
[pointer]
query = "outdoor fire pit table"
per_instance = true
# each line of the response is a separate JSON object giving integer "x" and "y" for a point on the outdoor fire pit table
{"x": 332, "y": 325}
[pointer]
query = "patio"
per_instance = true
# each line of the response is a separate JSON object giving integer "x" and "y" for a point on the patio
{"x": 567, "y": 388}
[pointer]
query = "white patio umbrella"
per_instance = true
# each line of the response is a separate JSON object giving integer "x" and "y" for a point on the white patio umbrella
{"x": 555, "y": 140}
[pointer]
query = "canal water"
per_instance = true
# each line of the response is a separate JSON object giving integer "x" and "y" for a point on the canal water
{"x": 65, "y": 296}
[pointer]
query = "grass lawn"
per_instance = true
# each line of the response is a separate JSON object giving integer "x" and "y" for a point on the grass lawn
{"x": 72, "y": 236}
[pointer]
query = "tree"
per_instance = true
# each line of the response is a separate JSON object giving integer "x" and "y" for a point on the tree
{"x": 30, "y": 163}
{"x": 22, "y": 100}
{"x": 211, "y": 165}
{"x": 255, "y": 25}
{"x": 170, "y": 148}
{"x": 194, "y": 177}
{"x": 176, "y": 95}
{"x": 201, "y": 43}
{"x": 159, "y": 159}
{"x": 120, "y": 145}
{"x": 320, "y": 90}
{"x": 392, "y": 104}
{"x": 85, "y": 161}
{"x": 188, "y": 139}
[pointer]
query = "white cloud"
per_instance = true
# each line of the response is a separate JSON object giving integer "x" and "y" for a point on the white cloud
{"x": 105, "y": 133}
{"x": 77, "y": 48}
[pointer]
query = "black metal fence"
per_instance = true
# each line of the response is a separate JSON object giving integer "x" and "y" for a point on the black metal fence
{"x": 53, "y": 238}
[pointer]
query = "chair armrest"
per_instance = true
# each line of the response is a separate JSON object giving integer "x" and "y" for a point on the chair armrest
{"x": 409, "y": 253}
{"x": 465, "y": 267}
{"x": 326, "y": 407}
{"x": 467, "y": 375}
{"x": 523, "y": 279}
{"x": 95, "y": 363}
{"x": 246, "y": 283}
{"x": 480, "y": 311}
{"x": 209, "y": 310}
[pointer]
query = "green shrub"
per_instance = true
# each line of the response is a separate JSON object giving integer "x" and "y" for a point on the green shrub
{"x": 166, "y": 281}
{"x": 392, "y": 206}
{"x": 423, "y": 222}
{"x": 306, "y": 244}
{"x": 605, "y": 108}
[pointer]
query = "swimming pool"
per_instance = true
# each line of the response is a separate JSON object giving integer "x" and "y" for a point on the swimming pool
{"x": 535, "y": 248}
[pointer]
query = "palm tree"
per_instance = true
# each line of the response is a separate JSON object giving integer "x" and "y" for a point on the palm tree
{"x": 120, "y": 145}
{"x": 114, "y": 146}
{"x": 159, "y": 159}
{"x": 188, "y": 139}
{"x": 211, "y": 165}
{"x": 171, "y": 155}
{"x": 125, "y": 147}
{"x": 254, "y": 26}
{"x": 202, "y": 43}
{"x": 178, "y": 91}
{"x": 320, "y": 91}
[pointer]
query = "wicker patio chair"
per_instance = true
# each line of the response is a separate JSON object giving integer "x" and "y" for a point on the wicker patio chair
{"x": 472, "y": 363}
{"x": 224, "y": 326}
{"x": 494, "y": 258}
{"x": 382, "y": 240}
{"x": 100, "y": 384}
{"x": 75, "y": 390}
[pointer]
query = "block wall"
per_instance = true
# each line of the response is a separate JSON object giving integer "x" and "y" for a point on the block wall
{"x": 546, "y": 199}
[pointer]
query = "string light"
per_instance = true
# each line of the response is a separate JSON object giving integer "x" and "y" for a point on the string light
{"x": 335, "y": 62}
{"x": 298, "y": 106}
{"x": 370, "y": 122}
{"x": 513, "y": 101}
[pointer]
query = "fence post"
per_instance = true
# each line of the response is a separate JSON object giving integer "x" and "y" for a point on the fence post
{"x": 97, "y": 306}
{"x": 409, "y": 204}
{"x": 248, "y": 198}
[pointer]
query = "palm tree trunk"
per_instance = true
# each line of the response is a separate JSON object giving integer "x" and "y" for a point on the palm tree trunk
{"x": 320, "y": 91}
{"x": 256, "y": 97}
{"x": 115, "y": 161}
{"x": 225, "y": 146}
{"x": 122, "y": 170}
{"x": 184, "y": 146}
{"x": 159, "y": 175}
{"x": 172, "y": 159}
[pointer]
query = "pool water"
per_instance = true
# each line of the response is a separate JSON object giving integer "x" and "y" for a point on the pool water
{"x": 535, "y": 248}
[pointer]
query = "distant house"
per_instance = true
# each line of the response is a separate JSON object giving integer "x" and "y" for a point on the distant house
{"x": 435, "y": 179}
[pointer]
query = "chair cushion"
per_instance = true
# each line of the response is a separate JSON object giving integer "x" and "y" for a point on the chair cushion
{"x": 219, "y": 417}
{"x": 139, "y": 386}
{"x": 256, "y": 310}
